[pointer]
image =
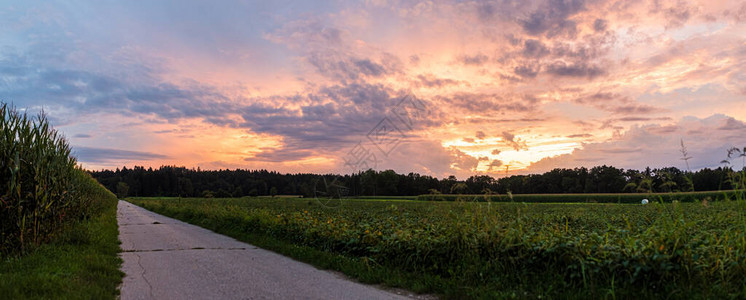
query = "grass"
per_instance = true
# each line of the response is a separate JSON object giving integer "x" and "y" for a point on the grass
{"x": 81, "y": 262}
{"x": 498, "y": 250}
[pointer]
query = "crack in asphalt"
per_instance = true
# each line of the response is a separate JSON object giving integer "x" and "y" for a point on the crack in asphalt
{"x": 150, "y": 286}
{"x": 183, "y": 249}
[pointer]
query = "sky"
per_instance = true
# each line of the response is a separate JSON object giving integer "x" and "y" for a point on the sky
{"x": 434, "y": 87}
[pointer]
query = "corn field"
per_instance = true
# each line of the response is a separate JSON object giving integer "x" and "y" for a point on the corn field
{"x": 42, "y": 186}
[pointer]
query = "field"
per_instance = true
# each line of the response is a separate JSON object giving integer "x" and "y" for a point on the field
{"x": 498, "y": 250}
{"x": 590, "y": 197}
{"x": 58, "y": 230}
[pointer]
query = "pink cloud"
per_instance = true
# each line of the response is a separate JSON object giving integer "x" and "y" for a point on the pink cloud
{"x": 657, "y": 145}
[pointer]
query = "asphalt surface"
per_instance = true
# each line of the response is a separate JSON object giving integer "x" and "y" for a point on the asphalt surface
{"x": 165, "y": 258}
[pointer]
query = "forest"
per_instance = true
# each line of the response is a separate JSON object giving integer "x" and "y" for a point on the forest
{"x": 173, "y": 181}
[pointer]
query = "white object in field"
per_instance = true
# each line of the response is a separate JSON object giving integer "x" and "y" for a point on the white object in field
{"x": 644, "y": 201}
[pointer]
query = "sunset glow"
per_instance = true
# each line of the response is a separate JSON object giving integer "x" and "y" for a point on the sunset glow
{"x": 509, "y": 87}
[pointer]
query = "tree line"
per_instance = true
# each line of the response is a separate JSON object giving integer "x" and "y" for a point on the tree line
{"x": 180, "y": 181}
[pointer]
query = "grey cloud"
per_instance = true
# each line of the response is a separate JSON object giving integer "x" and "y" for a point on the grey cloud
{"x": 490, "y": 102}
{"x": 639, "y": 119}
{"x": 510, "y": 78}
{"x": 508, "y": 136}
{"x": 604, "y": 96}
{"x": 102, "y": 155}
{"x": 475, "y": 60}
{"x": 552, "y": 18}
{"x": 82, "y": 136}
{"x": 175, "y": 102}
{"x": 280, "y": 155}
{"x": 583, "y": 51}
{"x": 557, "y": 57}
{"x": 329, "y": 117}
{"x": 326, "y": 49}
{"x": 534, "y": 48}
{"x": 333, "y": 117}
{"x": 580, "y": 135}
{"x": 620, "y": 104}
{"x": 495, "y": 151}
{"x": 307, "y": 34}
{"x": 343, "y": 67}
{"x": 527, "y": 70}
{"x": 430, "y": 80}
{"x": 367, "y": 67}
{"x": 738, "y": 15}
{"x": 661, "y": 130}
{"x": 482, "y": 120}
{"x": 634, "y": 119}
{"x": 92, "y": 92}
{"x": 510, "y": 139}
{"x": 578, "y": 70}
{"x": 633, "y": 109}
{"x": 480, "y": 135}
{"x": 609, "y": 124}
{"x": 353, "y": 111}
{"x": 676, "y": 15}
{"x": 600, "y": 25}
{"x": 486, "y": 10}
{"x": 512, "y": 39}
{"x": 732, "y": 124}
{"x": 494, "y": 164}
{"x": 414, "y": 59}
{"x": 463, "y": 161}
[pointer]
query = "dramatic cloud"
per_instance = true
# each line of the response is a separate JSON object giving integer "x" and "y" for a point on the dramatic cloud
{"x": 574, "y": 70}
{"x": 534, "y": 49}
{"x": 478, "y": 59}
{"x": 504, "y": 86}
{"x": 494, "y": 165}
{"x": 705, "y": 139}
{"x": 432, "y": 81}
{"x": 101, "y": 155}
{"x": 552, "y": 17}
{"x": 512, "y": 141}
{"x": 600, "y": 25}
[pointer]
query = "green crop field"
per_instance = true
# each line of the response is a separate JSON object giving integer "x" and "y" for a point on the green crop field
{"x": 58, "y": 230}
{"x": 590, "y": 197}
{"x": 498, "y": 250}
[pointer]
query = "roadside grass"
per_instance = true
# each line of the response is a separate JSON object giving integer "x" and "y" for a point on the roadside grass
{"x": 497, "y": 250}
{"x": 81, "y": 262}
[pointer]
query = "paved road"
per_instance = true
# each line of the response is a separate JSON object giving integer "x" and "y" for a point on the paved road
{"x": 168, "y": 259}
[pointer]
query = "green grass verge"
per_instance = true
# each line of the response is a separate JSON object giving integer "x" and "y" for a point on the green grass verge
{"x": 82, "y": 262}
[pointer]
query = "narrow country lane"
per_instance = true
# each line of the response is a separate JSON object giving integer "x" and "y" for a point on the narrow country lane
{"x": 165, "y": 258}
